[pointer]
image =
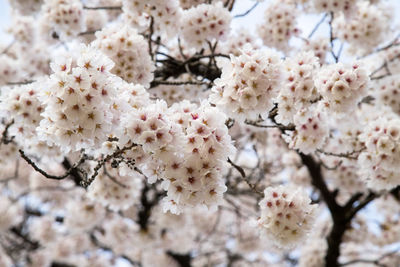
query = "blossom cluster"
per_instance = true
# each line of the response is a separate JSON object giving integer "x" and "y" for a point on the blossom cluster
{"x": 298, "y": 89}
{"x": 387, "y": 93}
{"x": 365, "y": 29}
{"x": 286, "y": 215}
{"x": 129, "y": 52}
{"x": 311, "y": 130}
{"x": 205, "y": 23}
{"x": 382, "y": 155}
{"x": 163, "y": 14}
{"x": 188, "y": 146}
{"x": 23, "y": 108}
{"x": 78, "y": 100}
{"x": 248, "y": 84}
{"x": 341, "y": 87}
{"x": 64, "y": 17}
{"x": 280, "y": 25}
{"x": 337, "y": 6}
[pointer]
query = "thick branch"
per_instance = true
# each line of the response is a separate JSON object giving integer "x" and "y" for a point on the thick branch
{"x": 74, "y": 172}
{"x": 318, "y": 181}
{"x": 146, "y": 206}
{"x": 339, "y": 221}
{"x": 184, "y": 260}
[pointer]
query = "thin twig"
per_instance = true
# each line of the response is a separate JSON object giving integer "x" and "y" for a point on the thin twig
{"x": 49, "y": 176}
{"x": 4, "y": 137}
{"x": 331, "y": 38}
{"x": 289, "y": 127}
{"x": 376, "y": 261}
{"x": 317, "y": 26}
{"x": 151, "y": 31}
{"x": 88, "y": 32}
{"x": 103, "y": 8}
{"x": 156, "y": 82}
{"x": 247, "y": 12}
{"x": 112, "y": 178}
{"x": 100, "y": 163}
{"x": 8, "y": 47}
{"x": 21, "y": 83}
{"x": 243, "y": 174}
{"x": 386, "y": 47}
{"x": 348, "y": 155}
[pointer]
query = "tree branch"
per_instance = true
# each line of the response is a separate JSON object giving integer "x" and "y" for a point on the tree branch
{"x": 70, "y": 171}
{"x": 247, "y": 12}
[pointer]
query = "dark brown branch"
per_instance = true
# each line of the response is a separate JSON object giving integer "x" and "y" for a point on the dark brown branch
{"x": 172, "y": 67}
{"x": 184, "y": 260}
{"x": 243, "y": 175}
{"x": 341, "y": 215}
{"x": 319, "y": 182}
{"x": 103, "y": 8}
{"x": 339, "y": 221}
{"x": 228, "y": 4}
{"x": 61, "y": 264}
{"x": 156, "y": 82}
{"x": 289, "y": 127}
{"x": 348, "y": 155}
{"x": 49, "y": 176}
{"x": 86, "y": 182}
{"x": 4, "y": 137}
{"x": 150, "y": 36}
{"x": 147, "y": 205}
{"x": 112, "y": 178}
{"x": 74, "y": 171}
{"x": 238, "y": 168}
{"x": 18, "y": 231}
{"x": 88, "y": 32}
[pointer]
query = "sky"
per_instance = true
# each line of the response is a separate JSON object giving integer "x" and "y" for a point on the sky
{"x": 4, "y": 20}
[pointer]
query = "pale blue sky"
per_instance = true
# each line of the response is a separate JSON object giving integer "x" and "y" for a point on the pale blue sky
{"x": 4, "y": 20}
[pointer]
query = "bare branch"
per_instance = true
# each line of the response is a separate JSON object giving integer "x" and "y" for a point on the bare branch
{"x": 289, "y": 127}
{"x": 4, "y": 137}
{"x": 49, "y": 176}
{"x": 243, "y": 174}
{"x": 247, "y": 12}
{"x": 317, "y": 26}
{"x": 332, "y": 38}
{"x": 86, "y": 182}
{"x": 150, "y": 36}
{"x": 156, "y": 82}
{"x": 348, "y": 155}
{"x": 21, "y": 83}
{"x": 119, "y": 8}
